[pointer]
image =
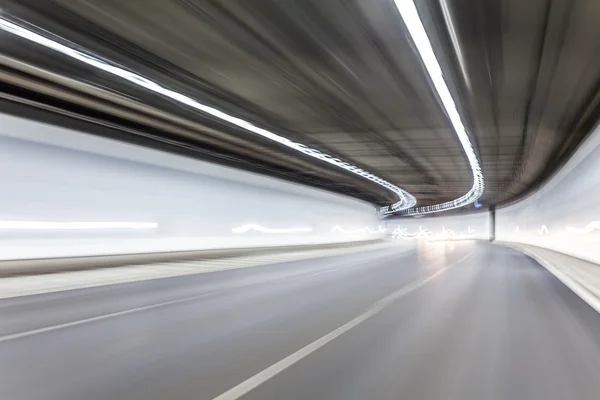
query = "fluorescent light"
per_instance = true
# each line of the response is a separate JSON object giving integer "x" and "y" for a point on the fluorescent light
{"x": 366, "y": 229}
{"x": 405, "y": 199}
{"x": 454, "y": 39}
{"x": 415, "y": 27}
{"x": 586, "y": 230}
{"x": 263, "y": 229}
{"x": 55, "y": 225}
{"x": 446, "y": 234}
{"x": 338, "y": 228}
{"x": 543, "y": 230}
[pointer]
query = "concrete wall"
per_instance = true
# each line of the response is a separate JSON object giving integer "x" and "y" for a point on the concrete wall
{"x": 564, "y": 215}
{"x": 65, "y": 193}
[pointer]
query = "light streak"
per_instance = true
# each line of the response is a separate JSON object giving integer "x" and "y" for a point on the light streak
{"x": 586, "y": 230}
{"x": 415, "y": 27}
{"x": 366, "y": 229}
{"x": 405, "y": 199}
{"x": 263, "y": 229}
{"x": 446, "y": 234}
{"x": 79, "y": 225}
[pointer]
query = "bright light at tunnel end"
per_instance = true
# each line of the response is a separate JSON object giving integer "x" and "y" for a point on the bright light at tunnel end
{"x": 405, "y": 199}
{"x": 410, "y": 16}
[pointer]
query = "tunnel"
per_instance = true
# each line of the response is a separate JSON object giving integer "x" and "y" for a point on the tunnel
{"x": 263, "y": 199}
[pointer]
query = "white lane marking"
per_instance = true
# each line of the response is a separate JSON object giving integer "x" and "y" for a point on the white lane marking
{"x": 29, "y": 285}
{"x": 124, "y": 312}
{"x": 302, "y": 276}
{"x": 143, "y": 308}
{"x": 251, "y": 383}
{"x": 99, "y": 318}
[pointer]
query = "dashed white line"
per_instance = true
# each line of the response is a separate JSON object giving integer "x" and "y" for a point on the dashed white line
{"x": 251, "y": 383}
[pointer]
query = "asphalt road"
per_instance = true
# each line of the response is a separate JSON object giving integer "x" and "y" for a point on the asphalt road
{"x": 460, "y": 321}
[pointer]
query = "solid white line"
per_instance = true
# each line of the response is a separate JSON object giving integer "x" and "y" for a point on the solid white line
{"x": 133, "y": 310}
{"x": 115, "y": 314}
{"x": 124, "y": 312}
{"x": 251, "y": 383}
{"x": 99, "y": 318}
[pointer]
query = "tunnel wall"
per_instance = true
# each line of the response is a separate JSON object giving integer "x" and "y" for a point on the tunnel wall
{"x": 66, "y": 193}
{"x": 564, "y": 214}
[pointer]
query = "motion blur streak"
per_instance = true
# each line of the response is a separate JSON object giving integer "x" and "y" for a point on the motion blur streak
{"x": 264, "y": 229}
{"x": 173, "y": 202}
{"x": 366, "y": 229}
{"x": 136, "y": 263}
{"x": 586, "y": 230}
{"x": 539, "y": 342}
{"x": 53, "y": 225}
{"x": 406, "y": 200}
{"x": 411, "y": 19}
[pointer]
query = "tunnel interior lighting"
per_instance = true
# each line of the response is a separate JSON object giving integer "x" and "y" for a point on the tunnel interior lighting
{"x": 410, "y": 16}
{"x": 259, "y": 228}
{"x": 405, "y": 199}
{"x": 366, "y": 229}
{"x": 79, "y": 225}
{"x": 445, "y": 234}
{"x": 586, "y": 230}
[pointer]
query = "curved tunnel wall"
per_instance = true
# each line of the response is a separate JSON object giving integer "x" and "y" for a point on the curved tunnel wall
{"x": 563, "y": 215}
{"x": 65, "y": 193}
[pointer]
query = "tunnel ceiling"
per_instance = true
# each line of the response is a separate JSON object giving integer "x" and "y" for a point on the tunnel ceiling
{"x": 344, "y": 77}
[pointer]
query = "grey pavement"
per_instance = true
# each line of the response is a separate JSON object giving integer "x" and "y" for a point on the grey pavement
{"x": 495, "y": 325}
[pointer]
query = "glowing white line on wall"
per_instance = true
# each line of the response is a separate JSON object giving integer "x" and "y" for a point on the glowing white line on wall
{"x": 543, "y": 230}
{"x": 62, "y": 225}
{"x": 446, "y": 234}
{"x": 586, "y": 230}
{"x": 380, "y": 229}
{"x": 264, "y": 229}
{"x": 415, "y": 27}
{"x": 401, "y": 233}
{"x": 366, "y": 229}
{"x": 405, "y": 199}
{"x": 338, "y": 228}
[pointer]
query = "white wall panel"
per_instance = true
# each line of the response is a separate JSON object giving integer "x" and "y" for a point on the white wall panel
{"x": 564, "y": 215}
{"x": 130, "y": 199}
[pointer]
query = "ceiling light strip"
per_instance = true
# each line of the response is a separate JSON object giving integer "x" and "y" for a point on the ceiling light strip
{"x": 415, "y": 27}
{"x": 405, "y": 199}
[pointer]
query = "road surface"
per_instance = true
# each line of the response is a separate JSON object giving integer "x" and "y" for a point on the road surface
{"x": 444, "y": 321}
